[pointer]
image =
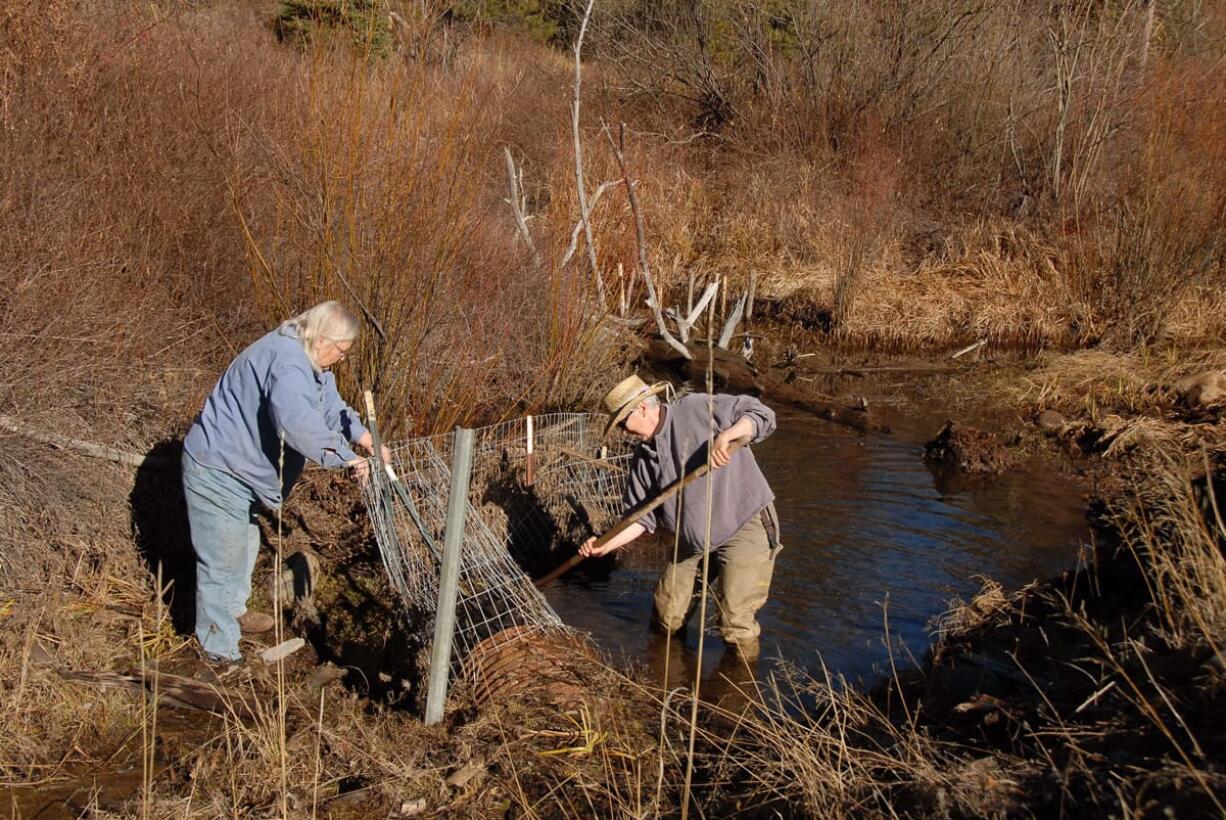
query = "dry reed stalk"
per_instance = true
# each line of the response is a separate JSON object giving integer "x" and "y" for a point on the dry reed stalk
{"x": 1173, "y": 536}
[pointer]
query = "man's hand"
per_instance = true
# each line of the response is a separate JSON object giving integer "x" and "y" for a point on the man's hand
{"x": 590, "y": 550}
{"x": 721, "y": 448}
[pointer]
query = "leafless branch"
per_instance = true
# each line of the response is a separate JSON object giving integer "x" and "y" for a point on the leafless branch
{"x": 574, "y": 122}
{"x": 574, "y": 234}
{"x": 684, "y": 323}
{"x": 653, "y": 300}
{"x": 519, "y": 205}
{"x": 725, "y": 336}
{"x": 747, "y": 346}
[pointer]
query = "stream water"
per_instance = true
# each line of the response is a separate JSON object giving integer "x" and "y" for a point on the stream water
{"x": 869, "y": 532}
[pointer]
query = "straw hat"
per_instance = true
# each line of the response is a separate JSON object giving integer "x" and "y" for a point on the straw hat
{"x": 622, "y": 399}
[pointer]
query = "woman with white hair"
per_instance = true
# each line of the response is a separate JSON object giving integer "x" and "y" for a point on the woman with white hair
{"x": 275, "y": 407}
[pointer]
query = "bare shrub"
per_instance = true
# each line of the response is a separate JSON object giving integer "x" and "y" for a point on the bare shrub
{"x": 1076, "y": 125}
{"x": 124, "y": 282}
{"x": 1165, "y": 235}
{"x": 388, "y": 207}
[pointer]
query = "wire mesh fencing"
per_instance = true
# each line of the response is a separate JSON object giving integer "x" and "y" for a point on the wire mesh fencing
{"x": 540, "y": 485}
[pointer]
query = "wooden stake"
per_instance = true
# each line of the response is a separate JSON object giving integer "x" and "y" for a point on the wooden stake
{"x": 530, "y": 478}
{"x": 449, "y": 578}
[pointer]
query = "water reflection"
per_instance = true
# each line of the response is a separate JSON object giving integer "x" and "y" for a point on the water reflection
{"x": 870, "y": 535}
{"x": 672, "y": 663}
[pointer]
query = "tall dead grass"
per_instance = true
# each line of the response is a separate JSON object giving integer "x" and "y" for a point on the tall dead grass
{"x": 1173, "y": 525}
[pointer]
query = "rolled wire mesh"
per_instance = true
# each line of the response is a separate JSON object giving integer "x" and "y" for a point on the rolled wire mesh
{"x": 517, "y": 510}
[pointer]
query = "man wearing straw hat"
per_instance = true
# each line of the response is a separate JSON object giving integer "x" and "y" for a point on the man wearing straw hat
{"x": 743, "y": 525}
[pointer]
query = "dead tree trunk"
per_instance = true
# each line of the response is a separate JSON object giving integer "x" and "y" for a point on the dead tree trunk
{"x": 653, "y": 300}
{"x": 579, "y": 184}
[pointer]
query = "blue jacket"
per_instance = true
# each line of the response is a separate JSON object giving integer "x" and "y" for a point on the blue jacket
{"x": 271, "y": 389}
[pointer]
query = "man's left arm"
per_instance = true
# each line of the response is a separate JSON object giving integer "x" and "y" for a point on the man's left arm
{"x": 739, "y": 417}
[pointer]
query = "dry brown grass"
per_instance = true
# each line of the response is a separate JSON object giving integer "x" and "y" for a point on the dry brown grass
{"x": 1173, "y": 525}
{"x": 182, "y": 183}
{"x": 1027, "y": 178}
{"x": 1094, "y": 383}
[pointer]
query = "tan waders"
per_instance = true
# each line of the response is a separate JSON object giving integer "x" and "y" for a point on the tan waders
{"x": 745, "y": 565}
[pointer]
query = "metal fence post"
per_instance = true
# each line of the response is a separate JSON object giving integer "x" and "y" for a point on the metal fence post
{"x": 453, "y": 543}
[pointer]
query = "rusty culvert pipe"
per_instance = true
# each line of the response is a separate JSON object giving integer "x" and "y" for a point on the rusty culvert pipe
{"x": 529, "y": 664}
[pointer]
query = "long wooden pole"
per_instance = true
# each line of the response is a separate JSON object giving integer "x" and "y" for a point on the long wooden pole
{"x": 637, "y": 513}
{"x": 86, "y": 447}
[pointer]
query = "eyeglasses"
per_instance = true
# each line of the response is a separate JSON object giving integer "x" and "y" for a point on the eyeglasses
{"x": 343, "y": 351}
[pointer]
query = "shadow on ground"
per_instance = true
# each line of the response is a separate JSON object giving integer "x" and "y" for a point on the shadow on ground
{"x": 159, "y": 528}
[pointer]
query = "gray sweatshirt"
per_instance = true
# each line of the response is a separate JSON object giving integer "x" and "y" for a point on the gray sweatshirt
{"x": 740, "y": 491}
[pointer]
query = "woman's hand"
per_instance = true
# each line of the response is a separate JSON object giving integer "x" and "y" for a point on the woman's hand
{"x": 361, "y": 470}
{"x": 367, "y": 443}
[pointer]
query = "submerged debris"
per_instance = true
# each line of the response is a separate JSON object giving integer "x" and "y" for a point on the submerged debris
{"x": 968, "y": 450}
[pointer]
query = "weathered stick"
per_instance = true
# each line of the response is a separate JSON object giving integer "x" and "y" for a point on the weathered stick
{"x": 969, "y": 348}
{"x": 634, "y": 515}
{"x": 747, "y": 345}
{"x": 725, "y": 336}
{"x": 684, "y": 323}
{"x": 84, "y": 447}
{"x": 860, "y": 372}
{"x": 574, "y": 234}
{"x": 653, "y": 300}
{"x": 516, "y": 201}
{"x": 574, "y": 124}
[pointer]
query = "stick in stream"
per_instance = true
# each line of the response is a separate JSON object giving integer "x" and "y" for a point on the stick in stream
{"x": 637, "y": 513}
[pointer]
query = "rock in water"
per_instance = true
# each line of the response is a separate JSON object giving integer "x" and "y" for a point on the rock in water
{"x": 968, "y": 450}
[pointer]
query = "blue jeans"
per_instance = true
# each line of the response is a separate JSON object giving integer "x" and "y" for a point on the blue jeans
{"x": 221, "y": 515}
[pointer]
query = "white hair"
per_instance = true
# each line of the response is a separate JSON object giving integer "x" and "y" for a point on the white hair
{"x": 327, "y": 320}
{"x": 651, "y": 401}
